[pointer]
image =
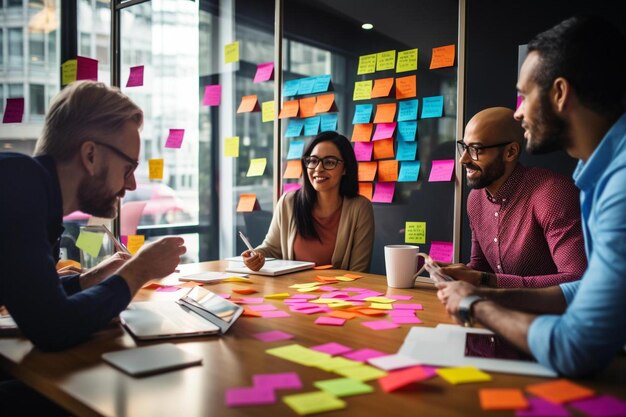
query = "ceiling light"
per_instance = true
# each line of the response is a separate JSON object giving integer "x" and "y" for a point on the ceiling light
{"x": 367, "y": 26}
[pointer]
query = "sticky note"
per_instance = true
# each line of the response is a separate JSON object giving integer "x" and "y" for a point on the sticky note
{"x": 502, "y": 399}
{"x": 541, "y": 408}
{"x": 247, "y": 396}
{"x": 231, "y": 147}
{"x": 278, "y": 296}
{"x": 406, "y": 87}
{"x": 560, "y": 391}
{"x": 343, "y": 387}
{"x": 14, "y": 110}
{"x": 290, "y": 187}
{"x": 325, "y": 103}
{"x": 212, "y": 95}
{"x": 442, "y": 57}
{"x": 330, "y": 321}
{"x": 313, "y": 402}
{"x": 175, "y": 138}
{"x": 367, "y": 64}
{"x": 135, "y": 78}
{"x": 366, "y": 189}
{"x": 321, "y": 83}
{"x": 246, "y": 203}
{"x": 86, "y": 68}
{"x": 441, "y": 251}
{"x": 396, "y": 361}
{"x": 362, "y": 355}
{"x": 384, "y": 131}
{"x": 363, "y": 151}
{"x": 382, "y": 87}
{"x": 362, "y": 113}
{"x": 257, "y": 167}
{"x": 383, "y": 192}
{"x": 399, "y": 379}
{"x": 441, "y": 170}
{"x": 68, "y": 71}
{"x": 407, "y": 131}
{"x": 281, "y": 380}
{"x": 90, "y": 242}
{"x": 231, "y": 52}
{"x": 385, "y": 60}
{"x": 312, "y": 126}
{"x": 432, "y": 107}
{"x": 293, "y": 169}
{"x": 135, "y": 242}
{"x": 361, "y": 373}
{"x": 387, "y": 171}
{"x": 332, "y": 348}
{"x": 296, "y": 148}
{"x": 415, "y": 232}
{"x": 408, "y": 110}
{"x": 272, "y": 336}
{"x": 155, "y": 169}
{"x": 295, "y": 128}
{"x": 328, "y": 122}
{"x": 307, "y": 107}
{"x": 362, "y": 90}
{"x": 306, "y": 86}
{"x": 362, "y": 132}
{"x": 290, "y": 109}
{"x": 290, "y": 88}
{"x": 385, "y": 113}
{"x": 383, "y": 149}
{"x": 463, "y": 375}
{"x": 268, "y": 113}
{"x": 407, "y": 60}
{"x": 406, "y": 151}
{"x": 367, "y": 171}
{"x": 600, "y": 406}
{"x": 248, "y": 104}
{"x": 264, "y": 72}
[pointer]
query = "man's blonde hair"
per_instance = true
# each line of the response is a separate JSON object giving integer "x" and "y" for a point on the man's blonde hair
{"x": 84, "y": 110}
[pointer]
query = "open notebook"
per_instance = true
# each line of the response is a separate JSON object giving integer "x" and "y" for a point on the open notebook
{"x": 273, "y": 268}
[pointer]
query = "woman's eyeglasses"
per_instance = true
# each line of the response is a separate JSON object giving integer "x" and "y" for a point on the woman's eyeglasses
{"x": 474, "y": 150}
{"x": 328, "y": 162}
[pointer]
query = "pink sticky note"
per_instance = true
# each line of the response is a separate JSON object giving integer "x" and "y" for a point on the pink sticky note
{"x": 294, "y": 300}
{"x": 124, "y": 240}
{"x": 363, "y": 151}
{"x": 272, "y": 336}
{"x": 291, "y": 186}
{"x": 383, "y": 192}
{"x": 397, "y": 306}
{"x": 264, "y": 72}
{"x": 399, "y": 297}
{"x": 362, "y": 355}
{"x": 14, "y": 110}
{"x": 168, "y": 288}
{"x": 250, "y": 396}
{"x": 135, "y": 78}
{"x": 274, "y": 314}
{"x": 355, "y": 289}
{"x": 336, "y": 294}
{"x": 405, "y": 320}
{"x": 212, "y": 95}
{"x": 402, "y": 313}
{"x": 263, "y": 307}
{"x": 441, "y": 170}
{"x": 600, "y": 406}
{"x": 384, "y": 131}
{"x": 305, "y": 296}
{"x": 380, "y": 325}
{"x": 538, "y": 407}
{"x": 332, "y": 348}
{"x": 520, "y": 99}
{"x": 330, "y": 321}
{"x": 441, "y": 251}
{"x": 252, "y": 300}
{"x": 175, "y": 138}
{"x": 284, "y": 380}
{"x": 87, "y": 68}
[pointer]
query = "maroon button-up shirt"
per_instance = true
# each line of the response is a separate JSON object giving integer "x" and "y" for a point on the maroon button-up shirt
{"x": 529, "y": 234}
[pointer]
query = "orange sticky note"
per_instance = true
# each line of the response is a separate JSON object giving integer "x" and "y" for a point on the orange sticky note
{"x": 502, "y": 399}
{"x": 406, "y": 87}
{"x": 293, "y": 170}
{"x": 382, "y": 87}
{"x": 307, "y": 107}
{"x": 245, "y": 291}
{"x": 249, "y": 104}
{"x": 366, "y": 189}
{"x": 343, "y": 314}
{"x": 367, "y": 171}
{"x": 290, "y": 109}
{"x": 249, "y": 313}
{"x": 399, "y": 379}
{"x": 383, "y": 149}
{"x": 385, "y": 113}
{"x": 442, "y": 57}
{"x": 323, "y": 267}
{"x": 560, "y": 391}
{"x": 362, "y": 132}
{"x": 372, "y": 312}
{"x": 325, "y": 103}
{"x": 246, "y": 203}
{"x": 355, "y": 276}
{"x": 387, "y": 171}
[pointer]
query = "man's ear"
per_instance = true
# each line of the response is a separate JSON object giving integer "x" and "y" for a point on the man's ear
{"x": 560, "y": 94}
{"x": 88, "y": 156}
{"x": 512, "y": 151}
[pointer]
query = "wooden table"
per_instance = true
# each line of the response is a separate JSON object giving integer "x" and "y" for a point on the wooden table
{"x": 79, "y": 380}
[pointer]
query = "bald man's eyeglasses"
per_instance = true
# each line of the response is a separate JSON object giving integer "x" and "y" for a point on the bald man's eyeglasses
{"x": 133, "y": 162}
{"x": 474, "y": 150}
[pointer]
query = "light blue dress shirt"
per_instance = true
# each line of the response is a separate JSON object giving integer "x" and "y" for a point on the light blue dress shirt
{"x": 593, "y": 328}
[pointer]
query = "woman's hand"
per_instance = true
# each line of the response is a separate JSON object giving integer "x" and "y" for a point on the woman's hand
{"x": 253, "y": 260}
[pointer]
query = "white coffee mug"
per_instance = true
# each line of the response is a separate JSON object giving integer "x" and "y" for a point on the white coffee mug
{"x": 401, "y": 265}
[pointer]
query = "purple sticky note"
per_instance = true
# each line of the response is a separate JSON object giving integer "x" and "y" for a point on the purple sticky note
{"x": 291, "y": 186}
{"x": 405, "y": 319}
{"x": 384, "y": 131}
{"x": 520, "y": 99}
{"x": 250, "y": 396}
{"x": 272, "y": 336}
{"x": 264, "y": 72}
{"x": 175, "y": 138}
{"x": 380, "y": 325}
{"x": 332, "y": 348}
{"x": 330, "y": 321}
{"x": 383, "y": 192}
{"x": 212, "y": 95}
{"x": 397, "y": 306}
{"x": 167, "y": 288}
{"x": 14, "y": 110}
{"x": 263, "y": 307}
{"x": 362, "y": 355}
{"x": 274, "y": 314}
{"x": 135, "y": 78}
{"x": 542, "y": 408}
{"x": 441, "y": 251}
{"x": 441, "y": 170}
{"x": 401, "y": 313}
{"x": 285, "y": 380}
{"x": 601, "y": 406}
{"x": 363, "y": 151}
{"x": 86, "y": 68}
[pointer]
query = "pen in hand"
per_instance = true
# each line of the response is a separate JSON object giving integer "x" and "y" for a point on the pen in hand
{"x": 247, "y": 242}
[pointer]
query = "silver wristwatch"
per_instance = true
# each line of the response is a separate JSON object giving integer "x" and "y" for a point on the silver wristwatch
{"x": 465, "y": 309}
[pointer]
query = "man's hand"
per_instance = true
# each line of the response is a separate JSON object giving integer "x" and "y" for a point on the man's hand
{"x": 461, "y": 272}
{"x": 254, "y": 262}
{"x": 451, "y": 293}
{"x": 103, "y": 270}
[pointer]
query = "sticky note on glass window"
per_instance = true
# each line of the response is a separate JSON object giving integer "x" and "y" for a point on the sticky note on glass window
{"x": 296, "y": 148}
{"x": 90, "y": 242}
{"x": 328, "y": 122}
{"x": 321, "y": 84}
{"x": 385, "y": 60}
{"x": 366, "y": 189}
{"x": 290, "y": 109}
{"x": 13, "y": 110}
{"x": 264, "y": 72}
{"x": 442, "y": 57}
{"x": 362, "y": 132}
{"x": 293, "y": 169}
{"x": 408, "y": 110}
{"x": 406, "y": 151}
{"x": 135, "y": 78}
{"x": 289, "y": 187}
{"x": 231, "y": 147}
{"x": 135, "y": 242}
{"x": 409, "y": 171}
{"x": 246, "y": 203}
{"x": 384, "y": 131}
{"x": 86, "y": 68}
{"x": 175, "y": 138}
{"x": 268, "y": 113}
{"x": 257, "y": 167}
{"x": 362, "y": 90}
{"x": 155, "y": 169}
{"x": 363, "y": 151}
{"x": 248, "y": 104}
{"x": 383, "y": 192}
{"x": 385, "y": 113}
{"x": 407, "y": 60}
{"x": 406, "y": 87}
{"x": 290, "y": 88}
{"x": 231, "y": 52}
{"x": 441, "y": 170}
{"x": 307, "y": 107}
{"x": 306, "y": 85}
{"x": 367, "y": 171}
{"x": 68, "y": 71}
{"x": 382, "y": 87}
{"x": 387, "y": 171}
{"x": 325, "y": 103}
{"x": 383, "y": 149}
{"x": 362, "y": 113}
{"x": 441, "y": 251}
{"x": 295, "y": 128}
{"x": 212, "y": 95}
{"x": 407, "y": 131}
{"x": 432, "y": 107}
{"x": 415, "y": 232}
{"x": 367, "y": 64}
{"x": 312, "y": 126}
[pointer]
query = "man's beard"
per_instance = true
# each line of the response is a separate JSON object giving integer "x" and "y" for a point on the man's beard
{"x": 491, "y": 173}
{"x": 549, "y": 132}
{"x": 94, "y": 197}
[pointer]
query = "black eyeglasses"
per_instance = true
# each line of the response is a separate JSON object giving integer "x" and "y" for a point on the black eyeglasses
{"x": 133, "y": 162}
{"x": 328, "y": 162}
{"x": 474, "y": 150}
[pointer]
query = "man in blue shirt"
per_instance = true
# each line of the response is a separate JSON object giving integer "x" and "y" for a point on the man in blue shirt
{"x": 573, "y": 99}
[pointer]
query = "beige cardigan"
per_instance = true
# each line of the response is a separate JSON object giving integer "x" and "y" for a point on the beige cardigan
{"x": 355, "y": 236}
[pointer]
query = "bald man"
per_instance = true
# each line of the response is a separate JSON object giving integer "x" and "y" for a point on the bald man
{"x": 525, "y": 222}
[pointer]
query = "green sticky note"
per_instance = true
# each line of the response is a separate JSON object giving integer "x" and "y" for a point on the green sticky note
{"x": 343, "y": 387}
{"x": 361, "y": 373}
{"x": 463, "y": 375}
{"x": 231, "y": 146}
{"x": 313, "y": 402}
{"x": 267, "y": 111}
{"x": 90, "y": 242}
{"x": 362, "y": 90}
{"x": 415, "y": 232}
{"x": 385, "y": 60}
{"x": 332, "y": 364}
{"x": 407, "y": 60}
{"x": 257, "y": 167}
{"x": 69, "y": 70}
{"x": 298, "y": 354}
{"x": 231, "y": 52}
{"x": 367, "y": 64}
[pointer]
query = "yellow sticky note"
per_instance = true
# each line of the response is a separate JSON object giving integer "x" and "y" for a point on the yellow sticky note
{"x": 313, "y": 402}
{"x": 361, "y": 373}
{"x": 267, "y": 111}
{"x": 305, "y": 285}
{"x": 381, "y": 306}
{"x": 463, "y": 375}
{"x": 257, "y": 167}
{"x": 385, "y": 60}
{"x": 135, "y": 242}
{"x": 236, "y": 279}
{"x": 344, "y": 279}
{"x": 367, "y": 64}
{"x": 155, "y": 168}
{"x": 231, "y": 146}
{"x": 415, "y": 232}
{"x": 362, "y": 90}
{"x": 90, "y": 242}
{"x": 383, "y": 300}
{"x": 331, "y": 364}
{"x": 299, "y": 354}
{"x": 407, "y": 60}
{"x": 279, "y": 296}
{"x": 68, "y": 70}
{"x": 231, "y": 52}
{"x": 309, "y": 289}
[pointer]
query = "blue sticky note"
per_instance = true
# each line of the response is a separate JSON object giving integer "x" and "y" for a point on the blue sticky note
{"x": 329, "y": 122}
{"x": 312, "y": 126}
{"x": 306, "y": 85}
{"x": 295, "y": 128}
{"x": 408, "y": 110}
{"x": 362, "y": 113}
{"x": 291, "y": 88}
{"x": 406, "y": 131}
{"x": 432, "y": 107}
{"x": 409, "y": 171}
{"x": 295, "y": 149}
{"x": 406, "y": 151}
{"x": 321, "y": 83}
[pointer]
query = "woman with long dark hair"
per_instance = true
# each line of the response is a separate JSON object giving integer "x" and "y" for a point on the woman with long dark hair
{"x": 326, "y": 221}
